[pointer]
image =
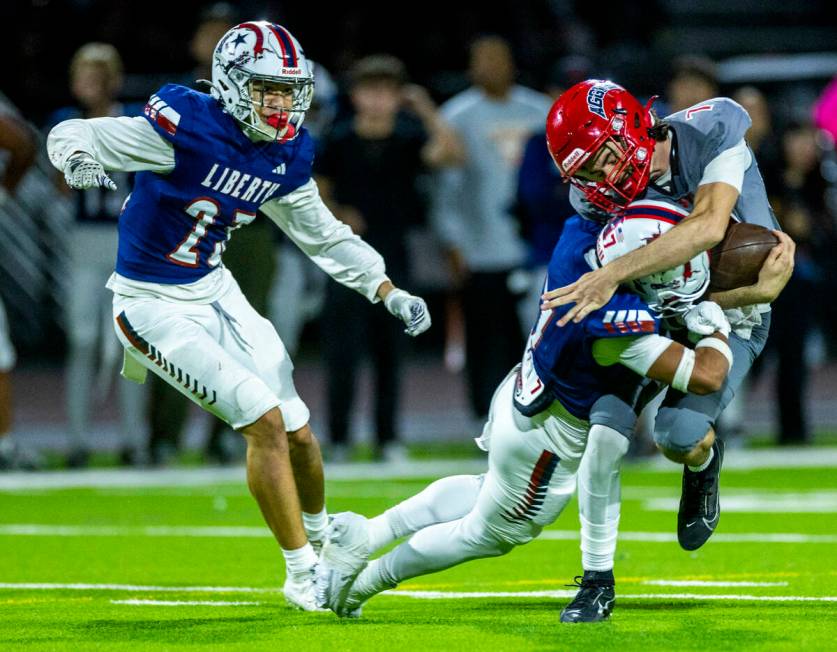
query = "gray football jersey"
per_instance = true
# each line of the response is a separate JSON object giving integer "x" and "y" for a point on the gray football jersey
{"x": 699, "y": 134}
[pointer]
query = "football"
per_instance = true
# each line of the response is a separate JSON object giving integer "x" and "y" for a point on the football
{"x": 737, "y": 259}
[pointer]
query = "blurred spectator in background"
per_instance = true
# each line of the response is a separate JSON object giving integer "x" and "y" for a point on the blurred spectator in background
{"x": 95, "y": 82}
{"x": 825, "y": 110}
{"x": 472, "y": 211}
{"x": 825, "y": 119}
{"x": 18, "y": 147}
{"x": 762, "y": 137}
{"x": 215, "y": 20}
{"x": 801, "y": 212}
{"x": 694, "y": 79}
{"x": 367, "y": 171}
{"x": 543, "y": 203}
{"x": 299, "y": 290}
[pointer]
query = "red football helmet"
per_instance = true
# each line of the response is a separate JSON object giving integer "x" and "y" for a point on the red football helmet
{"x": 588, "y": 116}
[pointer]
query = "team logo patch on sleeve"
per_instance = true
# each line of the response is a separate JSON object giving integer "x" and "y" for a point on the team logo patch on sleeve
{"x": 628, "y": 321}
{"x": 164, "y": 115}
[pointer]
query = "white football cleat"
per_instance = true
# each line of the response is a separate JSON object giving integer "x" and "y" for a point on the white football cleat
{"x": 299, "y": 591}
{"x": 345, "y": 554}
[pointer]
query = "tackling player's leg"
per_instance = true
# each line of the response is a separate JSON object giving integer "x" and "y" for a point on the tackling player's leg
{"x": 352, "y": 538}
{"x": 598, "y": 511}
{"x": 531, "y": 477}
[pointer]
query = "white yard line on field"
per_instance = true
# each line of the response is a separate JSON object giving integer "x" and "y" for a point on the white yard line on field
{"x": 814, "y": 502}
{"x": 734, "y": 459}
{"x": 211, "y": 531}
{"x": 718, "y": 537}
{"x": 422, "y": 595}
{"x": 454, "y": 595}
{"x": 704, "y": 583}
{"x": 76, "y": 586}
{"x": 184, "y": 603}
{"x": 258, "y": 532}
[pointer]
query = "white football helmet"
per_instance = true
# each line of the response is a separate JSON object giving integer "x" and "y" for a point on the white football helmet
{"x": 261, "y": 52}
{"x": 670, "y": 293}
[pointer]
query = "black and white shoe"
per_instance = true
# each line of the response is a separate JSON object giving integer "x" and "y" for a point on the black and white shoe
{"x": 595, "y": 598}
{"x": 700, "y": 507}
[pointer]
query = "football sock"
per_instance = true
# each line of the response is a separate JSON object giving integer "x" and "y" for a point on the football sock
{"x": 301, "y": 560}
{"x": 701, "y": 467}
{"x": 445, "y": 500}
{"x": 315, "y": 525}
{"x": 599, "y": 496}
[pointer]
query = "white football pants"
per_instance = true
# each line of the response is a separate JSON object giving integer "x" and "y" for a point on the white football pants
{"x": 224, "y": 356}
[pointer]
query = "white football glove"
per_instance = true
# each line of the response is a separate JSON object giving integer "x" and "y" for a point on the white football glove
{"x": 706, "y": 318}
{"x": 82, "y": 171}
{"x": 409, "y": 309}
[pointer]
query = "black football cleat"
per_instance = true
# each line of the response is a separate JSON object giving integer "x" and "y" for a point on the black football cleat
{"x": 700, "y": 507}
{"x": 594, "y": 600}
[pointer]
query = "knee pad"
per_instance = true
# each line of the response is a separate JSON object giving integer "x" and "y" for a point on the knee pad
{"x": 614, "y": 413}
{"x": 679, "y": 430}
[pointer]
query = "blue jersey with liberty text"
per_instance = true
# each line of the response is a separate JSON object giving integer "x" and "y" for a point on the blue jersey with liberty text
{"x": 174, "y": 227}
{"x": 558, "y": 362}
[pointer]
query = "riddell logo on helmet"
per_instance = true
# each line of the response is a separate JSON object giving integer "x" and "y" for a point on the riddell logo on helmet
{"x": 596, "y": 95}
{"x": 291, "y": 71}
{"x": 572, "y": 159}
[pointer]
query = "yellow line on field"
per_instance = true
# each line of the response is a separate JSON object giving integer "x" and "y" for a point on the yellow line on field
{"x": 562, "y": 581}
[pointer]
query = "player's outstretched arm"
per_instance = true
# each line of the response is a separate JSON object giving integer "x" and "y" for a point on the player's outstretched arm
{"x": 701, "y": 370}
{"x": 701, "y": 230}
{"x": 774, "y": 275}
{"x": 85, "y": 150}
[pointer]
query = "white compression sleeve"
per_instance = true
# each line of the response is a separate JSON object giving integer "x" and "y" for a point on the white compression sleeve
{"x": 445, "y": 500}
{"x": 307, "y": 221}
{"x": 599, "y": 496}
{"x": 127, "y": 144}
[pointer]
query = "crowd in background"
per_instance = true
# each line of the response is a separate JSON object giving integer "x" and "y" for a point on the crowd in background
{"x": 472, "y": 174}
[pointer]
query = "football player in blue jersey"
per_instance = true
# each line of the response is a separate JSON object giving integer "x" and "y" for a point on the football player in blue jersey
{"x": 612, "y": 149}
{"x": 537, "y": 426}
{"x": 206, "y": 164}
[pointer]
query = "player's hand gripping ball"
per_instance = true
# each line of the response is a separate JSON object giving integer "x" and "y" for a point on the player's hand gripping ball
{"x": 410, "y": 309}
{"x": 736, "y": 261}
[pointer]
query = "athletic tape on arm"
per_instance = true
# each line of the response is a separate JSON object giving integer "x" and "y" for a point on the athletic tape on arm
{"x": 683, "y": 375}
{"x": 719, "y": 345}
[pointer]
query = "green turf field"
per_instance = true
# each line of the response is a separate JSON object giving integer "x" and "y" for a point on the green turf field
{"x": 131, "y": 547}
